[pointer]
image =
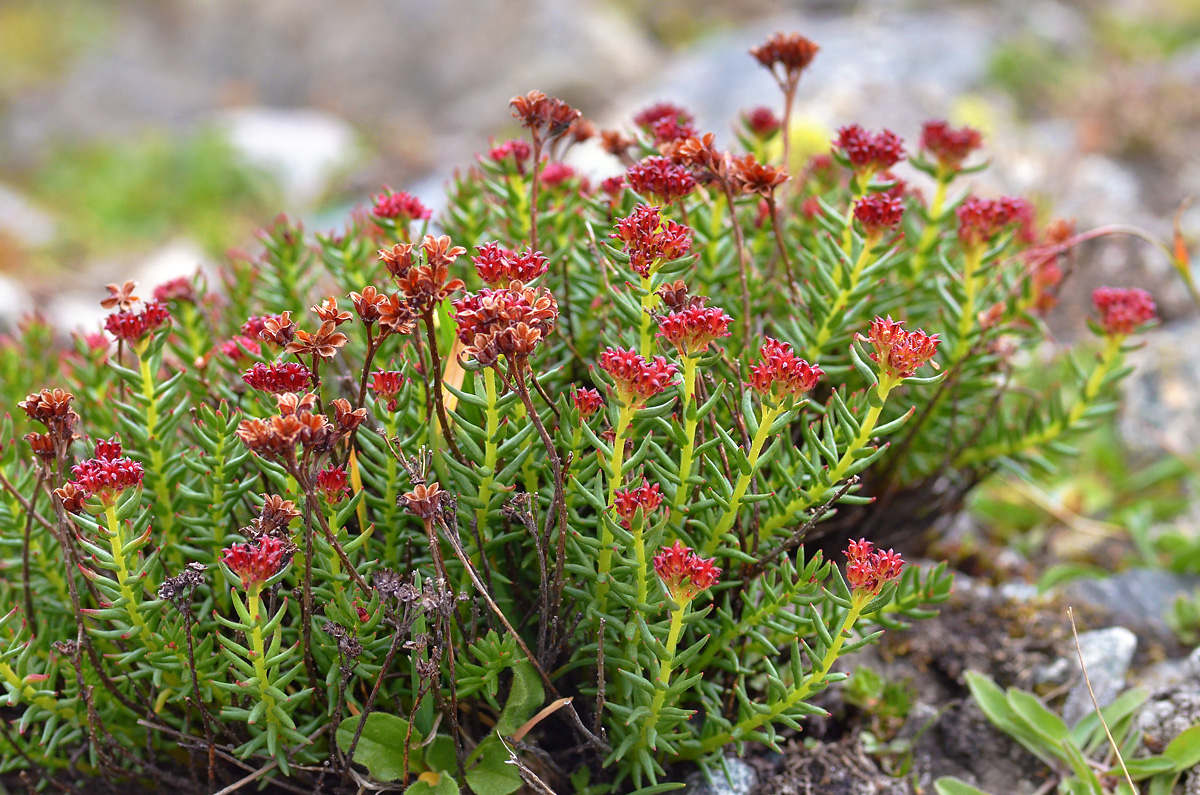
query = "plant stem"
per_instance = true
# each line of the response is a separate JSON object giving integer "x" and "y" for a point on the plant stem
{"x": 690, "y": 420}
{"x": 768, "y": 418}
{"x": 624, "y": 419}
{"x": 116, "y": 543}
{"x": 929, "y": 235}
{"x": 664, "y": 675}
{"x": 832, "y": 319}
{"x": 649, "y": 301}
{"x": 491, "y": 427}
{"x": 436, "y": 379}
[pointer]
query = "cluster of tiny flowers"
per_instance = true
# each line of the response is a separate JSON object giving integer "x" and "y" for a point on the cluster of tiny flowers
{"x": 626, "y": 502}
{"x": 424, "y": 285}
{"x": 869, "y": 570}
{"x": 660, "y": 179}
{"x": 637, "y": 379}
{"x": 869, "y": 153}
{"x": 240, "y": 348}
{"x": 762, "y": 122}
{"x": 297, "y": 423}
{"x": 129, "y": 326}
{"x": 107, "y": 478}
{"x": 684, "y": 573}
{"x": 179, "y": 289}
{"x": 979, "y": 220}
{"x": 558, "y": 173}
{"x": 791, "y": 51}
{"x": 332, "y": 484}
{"x": 587, "y": 402}
{"x": 692, "y": 329}
{"x": 402, "y": 206}
{"x": 878, "y": 213}
{"x": 277, "y": 378}
{"x": 751, "y": 176}
{"x": 507, "y": 322}
{"x": 666, "y": 122}
{"x": 649, "y": 241}
{"x": 517, "y": 149}
{"x": 543, "y": 115}
{"x": 950, "y": 147}
{"x": 257, "y": 561}
{"x": 779, "y": 373}
{"x": 387, "y": 385}
{"x": 498, "y": 266}
{"x": 1122, "y": 310}
{"x": 898, "y": 351}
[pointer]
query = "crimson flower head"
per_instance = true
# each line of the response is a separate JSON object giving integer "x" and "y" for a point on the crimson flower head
{"x": 400, "y": 207}
{"x": 626, "y": 502}
{"x": 651, "y": 115}
{"x": 761, "y": 122}
{"x": 660, "y": 179}
{"x": 240, "y": 348}
{"x": 387, "y": 385}
{"x": 1122, "y": 310}
{"x": 332, "y": 484}
{"x": 545, "y": 117}
{"x": 179, "y": 289}
{"x": 498, "y": 266}
{"x": 637, "y": 379}
{"x": 107, "y": 478}
{"x": 256, "y": 562}
{"x": 279, "y": 377}
{"x": 791, "y": 52}
{"x": 515, "y": 151}
{"x": 649, "y": 241}
{"x": 556, "y": 173}
{"x": 948, "y": 146}
{"x": 130, "y": 327}
{"x": 980, "y": 220}
{"x": 878, "y": 213}
{"x": 587, "y": 402}
{"x": 108, "y": 449}
{"x": 684, "y": 573}
{"x": 900, "y": 352}
{"x": 692, "y": 329}
{"x": 869, "y": 570}
{"x": 779, "y": 373}
{"x": 869, "y": 153}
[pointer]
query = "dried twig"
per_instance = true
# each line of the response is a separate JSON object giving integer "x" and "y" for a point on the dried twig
{"x": 1095, "y": 703}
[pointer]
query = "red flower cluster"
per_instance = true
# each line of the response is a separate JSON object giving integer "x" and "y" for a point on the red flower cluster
{"x": 108, "y": 449}
{"x": 900, "y": 352}
{"x": 402, "y": 207}
{"x": 693, "y": 328}
{"x": 279, "y": 377}
{"x": 869, "y": 153}
{"x": 256, "y": 562}
{"x": 637, "y": 379}
{"x": 878, "y": 212}
{"x": 238, "y": 347}
{"x": 626, "y": 502}
{"x": 780, "y": 373}
{"x": 660, "y": 179}
{"x": 498, "y": 266}
{"x": 427, "y": 284}
{"x": 791, "y": 51}
{"x": 107, "y": 478}
{"x": 762, "y": 122}
{"x": 868, "y": 570}
{"x": 296, "y": 423}
{"x": 684, "y": 573}
{"x": 1122, "y": 310}
{"x": 129, "y": 326}
{"x": 948, "y": 146}
{"x": 332, "y": 484}
{"x": 649, "y": 241}
{"x": 176, "y": 290}
{"x": 543, "y": 115}
{"x": 979, "y": 220}
{"x": 510, "y": 321}
{"x": 387, "y": 385}
{"x": 751, "y": 176}
{"x": 516, "y": 149}
{"x": 587, "y": 402}
{"x": 555, "y": 174}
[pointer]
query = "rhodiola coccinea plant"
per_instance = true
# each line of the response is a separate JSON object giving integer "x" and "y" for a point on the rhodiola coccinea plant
{"x": 560, "y": 469}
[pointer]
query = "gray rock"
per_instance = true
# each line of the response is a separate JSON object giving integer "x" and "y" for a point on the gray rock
{"x": 739, "y": 780}
{"x": 1168, "y": 713}
{"x": 1107, "y": 654}
{"x": 1159, "y": 408}
{"x": 1136, "y": 597}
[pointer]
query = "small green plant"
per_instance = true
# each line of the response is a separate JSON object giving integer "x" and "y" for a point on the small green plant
{"x": 1081, "y": 756}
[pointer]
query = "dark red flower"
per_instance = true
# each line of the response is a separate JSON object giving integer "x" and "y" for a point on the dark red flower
{"x": 556, "y": 173}
{"x": 256, "y": 562}
{"x": 587, "y": 402}
{"x": 751, "y": 176}
{"x": 627, "y": 502}
{"x": 948, "y": 146}
{"x": 762, "y": 122}
{"x": 542, "y": 115}
{"x": 240, "y": 348}
{"x": 1123, "y": 310}
{"x": 980, "y": 220}
{"x": 510, "y": 321}
{"x": 692, "y": 329}
{"x": 332, "y": 484}
{"x": 515, "y": 151}
{"x": 649, "y": 241}
{"x": 401, "y": 207}
{"x": 789, "y": 51}
{"x": 130, "y": 327}
{"x": 278, "y": 377}
{"x": 901, "y": 352}
{"x": 387, "y": 385}
{"x": 498, "y": 266}
{"x": 180, "y": 289}
{"x": 867, "y": 153}
{"x": 878, "y": 213}
{"x": 108, "y": 449}
{"x": 106, "y": 479}
{"x": 684, "y": 573}
{"x": 660, "y": 179}
{"x": 779, "y": 373}
{"x": 869, "y": 570}
{"x": 637, "y": 379}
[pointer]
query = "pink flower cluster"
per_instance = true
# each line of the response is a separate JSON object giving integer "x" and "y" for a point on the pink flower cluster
{"x": 868, "y": 570}
{"x": 402, "y": 206}
{"x": 626, "y": 502}
{"x": 108, "y": 474}
{"x": 900, "y": 352}
{"x": 498, "y": 266}
{"x": 979, "y": 220}
{"x": 950, "y": 147}
{"x": 869, "y": 153}
{"x": 637, "y": 379}
{"x": 660, "y": 179}
{"x": 649, "y": 241}
{"x": 692, "y": 329}
{"x": 684, "y": 573}
{"x": 387, "y": 385}
{"x": 129, "y": 326}
{"x": 878, "y": 213}
{"x": 279, "y": 377}
{"x": 1122, "y": 310}
{"x": 256, "y": 562}
{"x": 779, "y": 373}
{"x": 332, "y": 484}
{"x": 587, "y": 402}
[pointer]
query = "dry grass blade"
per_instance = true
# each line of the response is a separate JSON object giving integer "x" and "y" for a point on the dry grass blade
{"x": 1096, "y": 704}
